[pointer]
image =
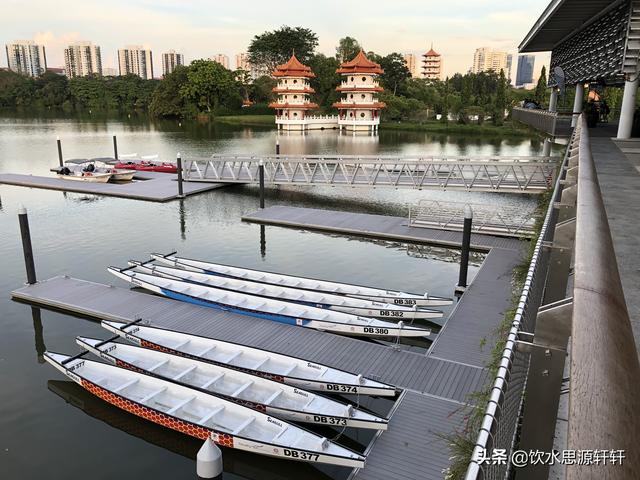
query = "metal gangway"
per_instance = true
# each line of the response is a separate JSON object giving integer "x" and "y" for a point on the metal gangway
{"x": 506, "y": 221}
{"x": 509, "y": 174}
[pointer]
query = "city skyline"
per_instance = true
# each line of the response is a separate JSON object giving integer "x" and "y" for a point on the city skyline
{"x": 191, "y": 28}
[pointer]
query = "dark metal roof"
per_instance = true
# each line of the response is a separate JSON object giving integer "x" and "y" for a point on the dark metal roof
{"x": 561, "y": 19}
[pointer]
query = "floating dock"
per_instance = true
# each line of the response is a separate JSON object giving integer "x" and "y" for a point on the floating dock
{"x": 150, "y": 186}
{"x": 436, "y": 384}
{"x": 375, "y": 226}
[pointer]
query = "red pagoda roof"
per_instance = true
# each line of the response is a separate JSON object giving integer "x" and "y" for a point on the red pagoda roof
{"x": 293, "y": 90}
{"x": 360, "y": 64}
{"x": 431, "y": 53}
{"x": 293, "y": 68}
{"x": 359, "y": 106}
{"x": 295, "y": 106}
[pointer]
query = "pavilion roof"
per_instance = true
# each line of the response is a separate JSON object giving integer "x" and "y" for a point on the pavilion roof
{"x": 360, "y": 64}
{"x": 293, "y": 68}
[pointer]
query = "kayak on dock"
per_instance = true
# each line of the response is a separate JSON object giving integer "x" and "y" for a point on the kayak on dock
{"x": 147, "y": 163}
{"x": 339, "y": 303}
{"x": 266, "y": 396}
{"x": 274, "y": 310}
{"x": 201, "y": 415}
{"x": 274, "y": 366}
{"x": 355, "y": 291}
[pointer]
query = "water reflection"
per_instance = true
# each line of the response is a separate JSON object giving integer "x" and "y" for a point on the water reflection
{"x": 37, "y": 329}
{"x": 239, "y": 463}
{"x": 183, "y": 223}
{"x": 263, "y": 242}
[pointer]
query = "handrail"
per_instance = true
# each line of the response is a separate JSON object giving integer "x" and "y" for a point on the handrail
{"x": 604, "y": 395}
{"x": 604, "y": 404}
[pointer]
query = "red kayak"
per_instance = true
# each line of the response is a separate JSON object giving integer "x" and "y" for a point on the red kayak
{"x": 148, "y": 167}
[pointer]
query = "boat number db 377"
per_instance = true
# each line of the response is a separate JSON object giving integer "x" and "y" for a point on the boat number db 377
{"x": 311, "y": 457}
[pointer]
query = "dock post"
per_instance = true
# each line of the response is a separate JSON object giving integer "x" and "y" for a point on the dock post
{"x": 23, "y": 219}
{"x": 277, "y": 147}
{"x": 180, "y": 191}
{"x": 60, "y": 161}
{"x": 466, "y": 246}
{"x": 209, "y": 460}
{"x": 261, "y": 175}
{"x": 115, "y": 147}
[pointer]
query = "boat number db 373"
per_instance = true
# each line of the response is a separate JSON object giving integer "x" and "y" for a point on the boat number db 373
{"x": 330, "y": 420}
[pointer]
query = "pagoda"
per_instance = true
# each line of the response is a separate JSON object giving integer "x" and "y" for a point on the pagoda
{"x": 293, "y": 92}
{"x": 359, "y": 108}
{"x": 432, "y": 65}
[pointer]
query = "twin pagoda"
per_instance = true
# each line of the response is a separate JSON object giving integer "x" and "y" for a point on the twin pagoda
{"x": 358, "y": 108}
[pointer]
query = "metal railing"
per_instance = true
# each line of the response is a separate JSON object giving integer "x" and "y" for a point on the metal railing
{"x": 542, "y": 120}
{"x": 495, "y": 174}
{"x": 505, "y": 221}
{"x": 604, "y": 410}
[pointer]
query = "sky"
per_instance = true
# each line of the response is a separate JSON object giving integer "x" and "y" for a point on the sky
{"x": 201, "y": 29}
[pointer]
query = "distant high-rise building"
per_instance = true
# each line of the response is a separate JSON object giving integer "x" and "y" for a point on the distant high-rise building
{"x": 524, "y": 73}
{"x": 486, "y": 60}
{"x": 432, "y": 65}
{"x": 507, "y": 72}
{"x": 136, "y": 60}
{"x": 170, "y": 61}
{"x": 109, "y": 72}
{"x": 222, "y": 59}
{"x": 26, "y": 58}
{"x": 242, "y": 62}
{"x": 81, "y": 59}
{"x": 410, "y": 63}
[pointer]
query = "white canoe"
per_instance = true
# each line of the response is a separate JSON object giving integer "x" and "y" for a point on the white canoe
{"x": 339, "y": 303}
{"x": 267, "y": 396}
{"x": 201, "y": 415}
{"x": 269, "y": 309}
{"x": 302, "y": 283}
{"x": 89, "y": 177}
{"x": 274, "y": 366}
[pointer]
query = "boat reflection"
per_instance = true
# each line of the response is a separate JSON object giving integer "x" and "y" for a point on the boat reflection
{"x": 183, "y": 223}
{"x": 263, "y": 242}
{"x": 242, "y": 464}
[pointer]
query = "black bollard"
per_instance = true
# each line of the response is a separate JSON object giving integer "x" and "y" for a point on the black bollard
{"x": 263, "y": 242}
{"x": 23, "y": 219}
{"x": 180, "y": 192}
{"x": 277, "y": 147}
{"x": 115, "y": 147}
{"x": 261, "y": 175}
{"x": 466, "y": 245}
{"x": 60, "y": 161}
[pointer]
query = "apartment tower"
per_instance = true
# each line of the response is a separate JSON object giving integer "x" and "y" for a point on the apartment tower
{"x": 81, "y": 59}
{"x": 135, "y": 60}
{"x": 170, "y": 61}
{"x": 26, "y": 58}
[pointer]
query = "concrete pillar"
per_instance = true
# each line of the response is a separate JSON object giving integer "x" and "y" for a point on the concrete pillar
{"x": 627, "y": 109}
{"x": 577, "y": 103}
{"x": 546, "y": 148}
{"x": 553, "y": 100}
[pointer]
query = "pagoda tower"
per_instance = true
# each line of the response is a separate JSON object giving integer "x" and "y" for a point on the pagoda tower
{"x": 432, "y": 65}
{"x": 359, "y": 108}
{"x": 293, "y": 95}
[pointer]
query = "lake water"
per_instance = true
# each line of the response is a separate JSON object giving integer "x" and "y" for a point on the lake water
{"x": 51, "y": 427}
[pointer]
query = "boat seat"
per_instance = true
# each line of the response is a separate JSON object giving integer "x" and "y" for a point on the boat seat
{"x": 260, "y": 363}
{"x": 324, "y": 370}
{"x": 234, "y": 356}
{"x": 211, "y": 414}
{"x": 205, "y": 351}
{"x": 290, "y": 369}
{"x": 148, "y": 397}
{"x": 184, "y": 372}
{"x": 244, "y": 425}
{"x": 273, "y": 396}
{"x": 242, "y": 388}
{"x": 125, "y": 385}
{"x": 311, "y": 400}
{"x": 181, "y": 344}
{"x": 279, "y": 434}
{"x": 180, "y": 404}
{"x": 158, "y": 365}
{"x": 212, "y": 380}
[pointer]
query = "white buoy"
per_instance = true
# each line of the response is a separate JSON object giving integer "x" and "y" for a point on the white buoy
{"x": 209, "y": 460}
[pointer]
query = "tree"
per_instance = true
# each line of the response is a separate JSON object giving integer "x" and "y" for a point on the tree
{"x": 271, "y": 49}
{"x": 166, "y": 100}
{"x": 541, "y": 87}
{"x": 261, "y": 89}
{"x": 209, "y": 84}
{"x": 395, "y": 73}
{"x": 347, "y": 48}
{"x": 500, "y": 102}
{"x": 326, "y": 79}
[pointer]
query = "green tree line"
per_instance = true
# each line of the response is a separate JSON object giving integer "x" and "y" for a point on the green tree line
{"x": 206, "y": 88}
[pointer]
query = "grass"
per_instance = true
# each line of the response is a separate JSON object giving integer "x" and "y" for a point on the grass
{"x": 248, "y": 120}
{"x": 462, "y": 442}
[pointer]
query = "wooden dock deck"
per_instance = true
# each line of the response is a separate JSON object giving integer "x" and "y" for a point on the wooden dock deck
{"x": 151, "y": 186}
{"x": 376, "y": 226}
{"x": 436, "y": 384}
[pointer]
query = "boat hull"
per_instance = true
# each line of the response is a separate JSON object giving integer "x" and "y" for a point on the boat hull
{"x": 305, "y": 383}
{"x": 96, "y": 178}
{"x": 203, "y": 433}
